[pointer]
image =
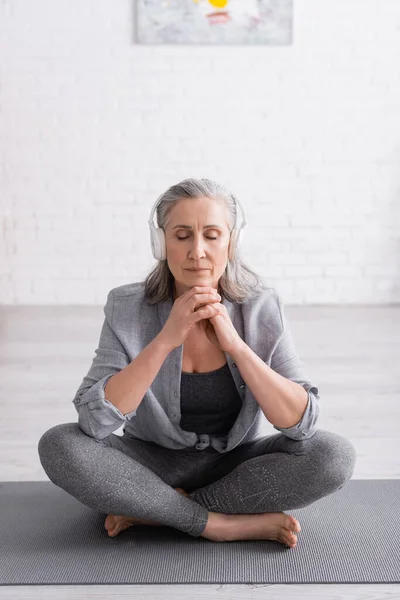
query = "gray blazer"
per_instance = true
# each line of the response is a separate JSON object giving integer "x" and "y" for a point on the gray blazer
{"x": 131, "y": 323}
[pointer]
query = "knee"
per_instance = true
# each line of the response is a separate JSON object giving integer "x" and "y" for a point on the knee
{"x": 53, "y": 444}
{"x": 53, "y": 437}
{"x": 337, "y": 458}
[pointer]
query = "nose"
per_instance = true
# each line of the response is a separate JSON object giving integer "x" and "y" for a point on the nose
{"x": 197, "y": 248}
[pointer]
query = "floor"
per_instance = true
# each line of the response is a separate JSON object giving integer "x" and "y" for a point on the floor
{"x": 351, "y": 352}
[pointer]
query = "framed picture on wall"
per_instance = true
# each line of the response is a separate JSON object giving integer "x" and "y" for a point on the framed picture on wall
{"x": 222, "y": 22}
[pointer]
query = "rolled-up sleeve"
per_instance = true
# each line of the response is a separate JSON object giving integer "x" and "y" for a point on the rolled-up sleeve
{"x": 286, "y": 361}
{"x": 97, "y": 416}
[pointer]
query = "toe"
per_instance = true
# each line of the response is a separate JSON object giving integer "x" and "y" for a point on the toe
{"x": 112, "y": 532}
{"x": 293, "y": 525}
{"x": 289, "y": 537}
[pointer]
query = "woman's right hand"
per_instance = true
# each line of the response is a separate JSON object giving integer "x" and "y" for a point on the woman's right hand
{"x": 192, "y": 306}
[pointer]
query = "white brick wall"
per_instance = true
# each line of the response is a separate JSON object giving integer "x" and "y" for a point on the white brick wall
{"x": 93, "y": 127}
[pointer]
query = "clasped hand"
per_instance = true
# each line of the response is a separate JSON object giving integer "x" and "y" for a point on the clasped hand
{"x": 220, "y": 330}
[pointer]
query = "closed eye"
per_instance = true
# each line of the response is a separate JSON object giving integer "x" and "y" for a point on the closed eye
{"x": 207, "y": 236}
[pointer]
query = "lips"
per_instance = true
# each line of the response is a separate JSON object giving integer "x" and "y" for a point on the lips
{"x": 197, "y": 270}
{"x": 219, "y": 17}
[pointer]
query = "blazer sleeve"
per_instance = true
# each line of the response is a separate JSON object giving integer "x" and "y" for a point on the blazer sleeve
{"x": 97, "y": 416}
{"x": 286, "y": 361}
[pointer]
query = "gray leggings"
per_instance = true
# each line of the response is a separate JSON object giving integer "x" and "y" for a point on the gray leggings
{"x": 122, "y": 475}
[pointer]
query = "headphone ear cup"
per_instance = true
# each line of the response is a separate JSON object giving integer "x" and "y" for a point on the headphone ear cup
{"x": 158, "y": 246}
{"x": 163, "y": 246}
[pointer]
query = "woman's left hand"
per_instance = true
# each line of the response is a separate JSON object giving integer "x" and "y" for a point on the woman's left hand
{"x": 220, "y": 330}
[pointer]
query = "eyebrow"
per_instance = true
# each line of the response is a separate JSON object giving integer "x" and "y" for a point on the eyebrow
{"x": 190, "y": 227}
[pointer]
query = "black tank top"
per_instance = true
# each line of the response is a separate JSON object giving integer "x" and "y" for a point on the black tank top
{"x": 210, "y": 402}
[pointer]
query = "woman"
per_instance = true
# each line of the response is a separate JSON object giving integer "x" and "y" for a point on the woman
{"x": 187, "y": 352}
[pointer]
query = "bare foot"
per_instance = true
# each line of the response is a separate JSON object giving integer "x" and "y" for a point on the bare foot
{"x": 277, "y": 526}
{"x": 117, "y": 523}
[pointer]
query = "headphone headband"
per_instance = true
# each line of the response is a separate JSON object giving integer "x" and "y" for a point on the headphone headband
{"x": 242, "y": 226}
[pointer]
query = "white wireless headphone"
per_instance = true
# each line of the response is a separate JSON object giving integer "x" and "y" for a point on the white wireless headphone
{"x": 157, "y": 235}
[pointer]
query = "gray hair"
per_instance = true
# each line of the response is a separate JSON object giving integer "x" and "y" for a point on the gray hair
{"x": 238, "y": 283}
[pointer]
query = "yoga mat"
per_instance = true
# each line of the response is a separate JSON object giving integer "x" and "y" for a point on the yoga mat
{"x": 49, "y": 537}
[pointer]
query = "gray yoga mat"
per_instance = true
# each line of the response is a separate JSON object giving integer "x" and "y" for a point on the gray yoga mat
{"x": 49, "y": 537}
